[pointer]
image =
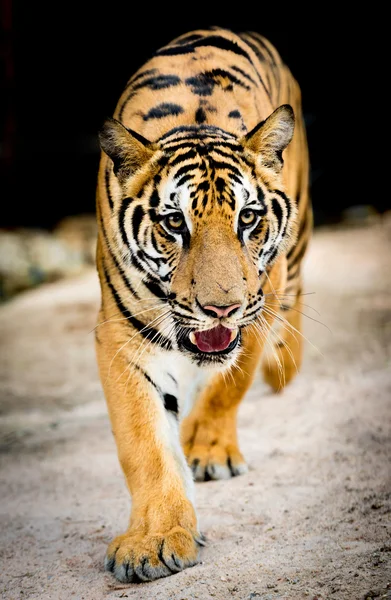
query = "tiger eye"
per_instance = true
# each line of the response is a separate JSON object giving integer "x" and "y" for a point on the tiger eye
{"x": 175, "y": 221}
{"x": 247, "y": 217}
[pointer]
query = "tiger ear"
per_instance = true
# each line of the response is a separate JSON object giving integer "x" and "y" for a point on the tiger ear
{"x": 127, "y": 149}
{"x": 269, "y": 138}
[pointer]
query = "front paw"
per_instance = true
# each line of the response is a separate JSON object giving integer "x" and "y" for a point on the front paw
{"x": 211, "y": 448}
{"x": 135, "y": 558}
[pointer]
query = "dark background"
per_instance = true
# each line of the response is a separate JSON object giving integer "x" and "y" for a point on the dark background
{"x": 64, "y": 69}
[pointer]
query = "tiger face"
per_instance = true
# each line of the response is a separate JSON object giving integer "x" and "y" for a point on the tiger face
{"x": 204, "y": 214}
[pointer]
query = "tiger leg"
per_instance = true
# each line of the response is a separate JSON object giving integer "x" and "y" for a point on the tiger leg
{"x": 209, "y": 433}
{"x": 162, "y": 535}
{"x": 284, "y": 351}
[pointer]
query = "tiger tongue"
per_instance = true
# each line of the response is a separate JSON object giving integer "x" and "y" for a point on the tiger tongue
{"x": 213, "y": 340}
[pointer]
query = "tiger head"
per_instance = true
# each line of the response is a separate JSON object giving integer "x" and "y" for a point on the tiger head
{"x": 203, "y": 214}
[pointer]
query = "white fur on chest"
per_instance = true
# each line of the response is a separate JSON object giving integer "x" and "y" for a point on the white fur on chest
{"x": 175, "y": 374}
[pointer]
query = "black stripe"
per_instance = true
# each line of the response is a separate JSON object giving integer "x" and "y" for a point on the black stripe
{"x": 166, "y": 277}
{"x": 197, "y": 132}
{"x": 143, "y": 255}
{"x": 246, "y": 75}
{"x": 235, "y": 178}
{"x": 288, "y": 208}
{"x": 175, "y": 50}
{"x": 163, "y": 160}
{"x": 122, "y": 308}
{"x": 140, "y": 75}
{"x": 107, "y": 181}
{"x": 278, "y": 212}
{"x": 154, "y": 200}
{"x": 141, "y": 191}
{"x": 255, "y": 49}
{"x": 230, "y": 155}
{"x": 147, "y": 377}
{"x": 223, "y": 165}
{"x": 182, "y": 157}
{"x": 267, "y": 236}
{"x": 203, "y": 84}
{"x": 235, "y": 114}
{"x": 293, "y": 271}
{"x": 158, "y": 82}
{"x": 254, "y": 130}
{"x": 232, "y": 78}
{"x": 302, "y": 228}
{"x": 173, "y": 147}
{"x": 185, "y": 169}
{"x": 215, "y": 41}
{"x": 285, "y": 307}
{"x": 259, "y": 41}
{"x": 154, "y": 242}
{"x": 186, "y": 308}
{"x": 163, "y": 110}
{"x": 114, "y": 259}
{"x": 155, "y": 288}
{"x": 297, "y": 258}
{"x": 136, "y": 263}
{"x": 190, "y": 37}
{"x": 261, "y": 197}
{"x": 223, "y": 43}
{"x": 183, "y": 179}
{"x": 125, "y": 102}
{"x": 173, "y": 378}
{"x": 170, "y": 403}
{"x": 137, "y": 217}
{"x": 138, "y": 137}
{"x": 272, "y": 255}
{"x": 220, "y": 184}
{"x": 121, "y": 219}
{"x": 287, "y": 200}
{"x": 200, "y": 116}
{"x": 217, "y": 145}
{"x": 272, "y": 61}
{"x": 153, "y": 215}
{"x": 147, "y": 332}
{"x": 167, "y": 236}
{"x": 252, "y": 312}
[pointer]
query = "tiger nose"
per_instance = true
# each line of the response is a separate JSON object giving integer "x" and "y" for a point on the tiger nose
{"x": 220, "y": 311}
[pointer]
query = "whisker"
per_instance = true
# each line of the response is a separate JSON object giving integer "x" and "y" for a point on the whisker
{"x": 281, "y": 372}
{"x": 286, "y": 346}
{"x": 286, "y": 324}
{"x": 304, "y": 315}
{"x": 133, "y": 336}
{"x": 110, "y": 320}
{"x": 271, "y": 285}
{"x": 266, "y": 344}
{"x": 139, "y": 354}
{"x": 275, "y": 293}
{"x": 300, "y": 304}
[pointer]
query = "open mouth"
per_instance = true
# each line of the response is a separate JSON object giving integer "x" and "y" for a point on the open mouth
{"x": 219, "y": 340}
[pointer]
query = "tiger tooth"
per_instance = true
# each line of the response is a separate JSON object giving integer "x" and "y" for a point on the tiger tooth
{"x": 234, "y": 333}
{"x": 192, "y": 338}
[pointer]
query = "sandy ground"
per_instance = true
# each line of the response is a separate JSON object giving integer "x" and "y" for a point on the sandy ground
{"x": 311, "y": 519}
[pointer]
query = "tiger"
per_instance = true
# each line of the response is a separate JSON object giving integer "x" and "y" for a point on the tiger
{"x": 204, "y": 218}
